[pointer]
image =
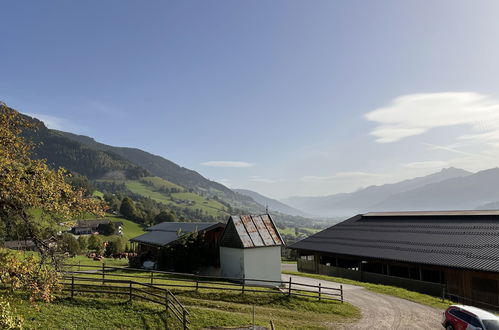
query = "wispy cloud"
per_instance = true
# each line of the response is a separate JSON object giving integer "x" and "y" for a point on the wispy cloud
{"x": 54, "y": 122}
{"x": 427, "y": 164}
{"x": 227, "y": 163}
{"x": 340, "y": 175}
{"x": 415, "y": 114}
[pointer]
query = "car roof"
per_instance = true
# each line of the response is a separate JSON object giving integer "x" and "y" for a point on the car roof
{"x": 480, "y": 313}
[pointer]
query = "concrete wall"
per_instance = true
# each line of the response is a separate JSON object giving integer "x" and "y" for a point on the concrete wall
{"x": 256, "y": 263}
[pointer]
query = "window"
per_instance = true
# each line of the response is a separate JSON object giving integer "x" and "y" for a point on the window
{"x": 491, "y": 324}
{"x": 484, "y": 284}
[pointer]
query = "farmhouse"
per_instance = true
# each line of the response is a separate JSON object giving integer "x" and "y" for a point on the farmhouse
{"x": 456, "y": 253}
{"x": 168, "y": 233}
{"x": 85, "y": 227}
{"x": 251, "y": 248}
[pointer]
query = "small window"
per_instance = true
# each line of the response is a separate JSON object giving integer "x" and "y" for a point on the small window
{"x": 474, "y": 322}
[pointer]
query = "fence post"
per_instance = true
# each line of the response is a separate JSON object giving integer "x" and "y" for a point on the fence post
{"x": 244, "y": 282}
{"x": 197, "y": 284}
{"x": 289, "y": 289}
{"x": 443, "y": 294}
{"x": 319, "y": 291}
{"x": 72, "y": 286}
{"x": 184, "y": 318}
{"x": 103, "y": 272}
{"x": 130, "y": 292}
{"x": 167, "y": 306}
{"x": 152, "y": 277}
{"x": 341, "y": 291}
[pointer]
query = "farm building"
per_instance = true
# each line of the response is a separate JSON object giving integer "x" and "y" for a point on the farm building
{"x": 86, "y": 227}
{"x": 451, "y": 252}
{"x": 166, "y": 234}
{"x": 251, "y": 248}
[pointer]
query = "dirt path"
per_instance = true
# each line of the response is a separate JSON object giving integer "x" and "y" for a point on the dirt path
{"x": 379, "y": 311}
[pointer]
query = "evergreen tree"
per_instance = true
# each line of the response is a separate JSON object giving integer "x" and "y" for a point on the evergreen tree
{"x": 128, "y": 209}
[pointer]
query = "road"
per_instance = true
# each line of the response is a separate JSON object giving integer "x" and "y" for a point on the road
{"x": 379, "y": 311}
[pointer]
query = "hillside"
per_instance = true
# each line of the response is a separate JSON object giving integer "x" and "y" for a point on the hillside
{"x": 273, "y": 204}
{"x": 363, "y": 199}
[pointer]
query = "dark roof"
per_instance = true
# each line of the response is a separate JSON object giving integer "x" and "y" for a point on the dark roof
{"x": 248, "y": 231}
{"x": 91, "y": 223}
{"x": 184, "y": 226}
{"x": 460, "y": 239}
{"x": 19, "y": 244}
{"x": 166, "y": 233}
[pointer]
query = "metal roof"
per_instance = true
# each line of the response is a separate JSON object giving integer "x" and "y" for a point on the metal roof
{"x": 248, "y": 231}
{"x": 166, "y": 233}
{"x": 467, "y": 240}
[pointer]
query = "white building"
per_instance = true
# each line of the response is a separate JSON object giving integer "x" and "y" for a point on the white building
{"x": 250, "y": 248}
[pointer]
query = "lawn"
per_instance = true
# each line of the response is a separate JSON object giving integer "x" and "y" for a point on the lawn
{"x": 384, "y": 289}
{"x": 130, "y": 229}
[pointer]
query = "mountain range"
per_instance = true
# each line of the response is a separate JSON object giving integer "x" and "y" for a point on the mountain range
{"x": 449, "y": 189}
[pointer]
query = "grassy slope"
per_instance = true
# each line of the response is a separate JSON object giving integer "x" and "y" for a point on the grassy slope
{"x": 149, "y": 188}
{"x": 130, "y": 229}
{"x": 207, "y": 308}
{"x": 385, "y": 289}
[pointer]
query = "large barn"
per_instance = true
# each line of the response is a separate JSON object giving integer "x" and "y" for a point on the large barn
{"x": 456, "y": 253}
{"x": 251, "y": 248}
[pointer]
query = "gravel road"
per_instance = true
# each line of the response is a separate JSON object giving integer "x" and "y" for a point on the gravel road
{"x": 379, "y": 311}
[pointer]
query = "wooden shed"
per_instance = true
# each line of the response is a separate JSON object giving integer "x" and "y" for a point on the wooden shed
{"x": 250, "y": 248}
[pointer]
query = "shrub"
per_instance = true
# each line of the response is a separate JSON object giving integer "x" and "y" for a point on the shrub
{"x": 8, "y": 319}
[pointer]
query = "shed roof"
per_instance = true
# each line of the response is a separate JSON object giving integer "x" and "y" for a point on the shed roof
{"x": 249, "y": 231}
{"x": 165, "y": 233}
{"x": 460, "y": 239}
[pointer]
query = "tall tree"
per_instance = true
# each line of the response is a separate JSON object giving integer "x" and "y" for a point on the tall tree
{"x": 128, "y": 209}
{"x": 27, "y": 184}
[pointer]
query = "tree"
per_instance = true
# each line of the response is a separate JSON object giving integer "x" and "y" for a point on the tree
{"x": 128, "y": 209}
{"x": 69, "y": 244}
{"x": 115, "y": 246}
{"x": 83, "y": 243}
{"x": 27, "y": 184}
{"x": 165, "y": 216}
{"x": 95, "y": 243}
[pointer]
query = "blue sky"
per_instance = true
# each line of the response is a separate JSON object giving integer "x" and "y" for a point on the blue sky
{"x": 282, "y": 97}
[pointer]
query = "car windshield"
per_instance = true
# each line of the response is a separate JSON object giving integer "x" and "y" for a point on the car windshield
{"x": 491, "y": 324}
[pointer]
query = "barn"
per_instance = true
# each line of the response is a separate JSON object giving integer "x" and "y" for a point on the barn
{"x": 250, "y": 248}
{"x": 455, "y": 253}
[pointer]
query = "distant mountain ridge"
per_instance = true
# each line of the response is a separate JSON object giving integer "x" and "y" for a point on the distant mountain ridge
{"x": 272, "y": 204}
{"x": 366, "y": 199}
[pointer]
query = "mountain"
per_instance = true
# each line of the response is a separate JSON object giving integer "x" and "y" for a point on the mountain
{"x": 352, "y": 203}
{"x": 272, "y": 204}
{"x": 460, "y": 193}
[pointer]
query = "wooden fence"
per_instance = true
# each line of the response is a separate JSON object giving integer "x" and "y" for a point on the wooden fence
{"x": 131, "y": 289}
{"x": 196, "y": 282}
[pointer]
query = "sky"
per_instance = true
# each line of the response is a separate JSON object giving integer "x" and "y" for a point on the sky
{"x": 287, "y": 98}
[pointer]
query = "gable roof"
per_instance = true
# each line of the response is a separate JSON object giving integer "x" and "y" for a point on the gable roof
{"x": 91, "y": 223}
{"x": 249, "y": 231}
{"x": 165, "y": 233}
{"x": 460, "y": 239}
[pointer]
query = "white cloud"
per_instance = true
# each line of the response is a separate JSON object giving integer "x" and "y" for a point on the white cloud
{"x": 415, "y": 114}
{"x": 427, "y": 164}
{"x": 340, "y": 175}
{"x": 226, "y": 163}
{"x": 54, "y": 122}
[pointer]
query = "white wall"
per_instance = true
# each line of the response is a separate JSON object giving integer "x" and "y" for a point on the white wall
{"x": 255, "y": 263}
{"x": 263, "y": 263}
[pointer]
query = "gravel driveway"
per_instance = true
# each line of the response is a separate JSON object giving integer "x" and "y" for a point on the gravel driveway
{"x": 379, "y": 311}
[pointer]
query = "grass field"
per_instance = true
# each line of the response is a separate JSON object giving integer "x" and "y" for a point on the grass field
{"x": 149, "y": 188}
{"x": 291, "y": 231}
{"x": 385, "y": 289}
{"x": 130, "y": 229}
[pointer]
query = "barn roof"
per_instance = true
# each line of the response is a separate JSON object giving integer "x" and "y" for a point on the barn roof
{"x": 91, "y": 223}
{"x": 249, "y": 231}
{"x": 460, "y": 239}
{"x": 165, "y": 233}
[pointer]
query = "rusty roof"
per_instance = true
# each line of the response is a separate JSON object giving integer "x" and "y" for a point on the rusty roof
{"x": 251, "y": 231}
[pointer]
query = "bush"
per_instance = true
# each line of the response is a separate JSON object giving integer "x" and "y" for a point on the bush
{"x": 40, "y": 281}
{"x": 8, "y": 319}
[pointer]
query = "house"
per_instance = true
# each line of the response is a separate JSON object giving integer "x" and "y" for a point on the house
{"x": 166, "y": 234}
{"x": 97, "y": 226}
{"x": 28, "y": 245}
{"x": 455, "y": 253}
{"x": 251, "y": 248}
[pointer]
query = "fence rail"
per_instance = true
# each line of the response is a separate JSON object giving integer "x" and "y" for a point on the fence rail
{"x": 163, "y": 279}
{"x": 132, "y": 289}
